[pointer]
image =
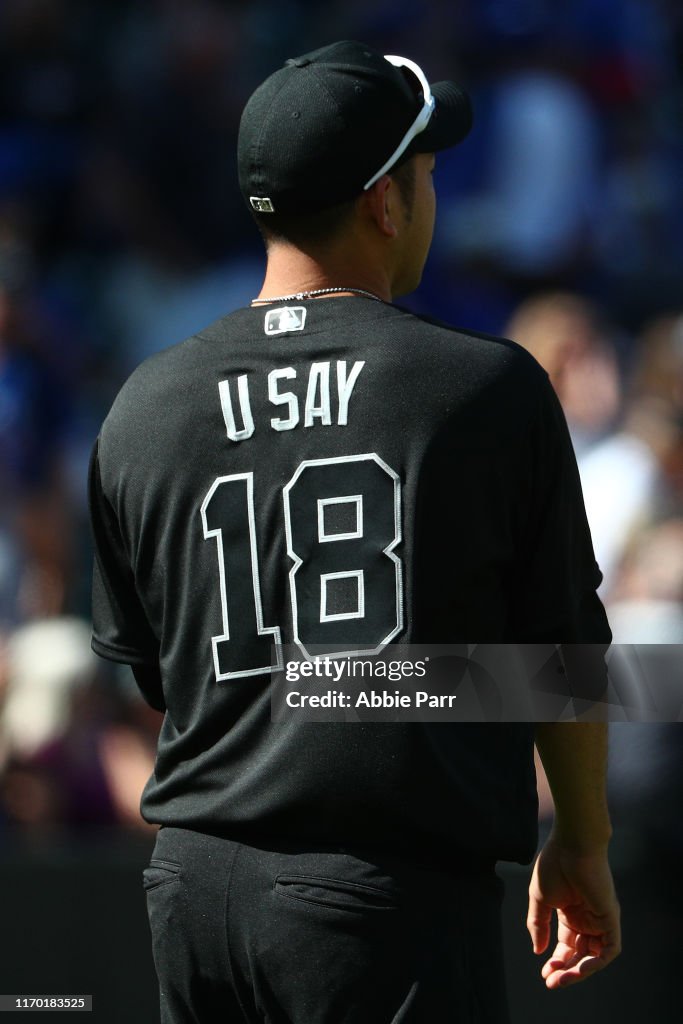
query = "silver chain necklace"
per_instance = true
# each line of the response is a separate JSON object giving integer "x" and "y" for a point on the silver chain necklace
{"x": 300, "y": 296}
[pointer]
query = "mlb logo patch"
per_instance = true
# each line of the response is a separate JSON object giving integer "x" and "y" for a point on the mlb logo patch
{"x": 288, "y": 318}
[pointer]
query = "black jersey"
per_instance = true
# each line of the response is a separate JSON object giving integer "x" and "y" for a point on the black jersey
{"x": 338, "y": 474}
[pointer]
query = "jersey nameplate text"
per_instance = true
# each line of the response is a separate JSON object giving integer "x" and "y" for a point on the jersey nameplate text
{"x": 322, "y": 396}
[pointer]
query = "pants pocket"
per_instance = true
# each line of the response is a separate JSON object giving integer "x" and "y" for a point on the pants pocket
{"x": 159, "y": 873}
{"x": 337, "y": 893}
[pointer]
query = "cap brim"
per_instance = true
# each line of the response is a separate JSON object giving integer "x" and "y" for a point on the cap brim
{"x": 450, "y": 123}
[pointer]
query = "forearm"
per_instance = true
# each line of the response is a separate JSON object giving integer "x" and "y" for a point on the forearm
{"x": 574, "y": 757}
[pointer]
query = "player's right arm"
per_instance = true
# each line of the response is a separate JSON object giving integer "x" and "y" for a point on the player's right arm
{"x": 572, "y": 876}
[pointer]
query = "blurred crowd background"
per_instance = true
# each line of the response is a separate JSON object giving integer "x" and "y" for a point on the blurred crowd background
{"x": 122, "y": 231}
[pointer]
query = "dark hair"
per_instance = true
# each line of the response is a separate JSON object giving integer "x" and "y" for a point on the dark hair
{"x": 308, "y": 229}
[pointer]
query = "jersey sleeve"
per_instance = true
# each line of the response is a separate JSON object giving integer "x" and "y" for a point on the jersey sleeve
{"x": 121, "y": 631}
{"x": 557, "y": 575}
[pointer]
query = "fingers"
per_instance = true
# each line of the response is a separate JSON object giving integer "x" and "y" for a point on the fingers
{"x": 577, "y": 969}
{"x": 538, "y": 923}
{"x": 577, "y": 960}
{"x": 563, "y": 957}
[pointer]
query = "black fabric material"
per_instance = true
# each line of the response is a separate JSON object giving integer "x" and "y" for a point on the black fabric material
{"x": 151, "y": 686}
{"x": 319, "y": 936}
{"x": 317, "y": 129}
{"x": 495, "y": 548}
{"x": 129, "y": 636}
{"x": 450, "y": 123}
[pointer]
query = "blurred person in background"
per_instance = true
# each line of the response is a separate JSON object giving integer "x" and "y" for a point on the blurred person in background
{"x": 78, "y": 742}
{"x": 626, "y": 421}
{"x": 620, "y": 474}
{"x": 564, "y": 332}
{"x": 633, "y": 479}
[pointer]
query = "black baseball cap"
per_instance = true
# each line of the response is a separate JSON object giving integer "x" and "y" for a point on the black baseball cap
{"x": 328, "y": 124}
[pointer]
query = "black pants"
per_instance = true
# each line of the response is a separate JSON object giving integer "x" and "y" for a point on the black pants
{"x": 245, "y": 934}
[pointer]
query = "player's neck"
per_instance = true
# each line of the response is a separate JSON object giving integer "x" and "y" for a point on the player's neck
{"x": 290, "y": 271}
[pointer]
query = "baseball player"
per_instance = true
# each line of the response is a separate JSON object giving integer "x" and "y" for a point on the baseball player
{"x": 327, "y": 470}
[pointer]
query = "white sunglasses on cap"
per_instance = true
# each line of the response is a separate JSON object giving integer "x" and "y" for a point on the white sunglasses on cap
{"x": 418, "y": 125}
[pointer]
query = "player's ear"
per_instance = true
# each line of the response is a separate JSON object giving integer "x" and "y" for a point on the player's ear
{"x": 381, "y": 205}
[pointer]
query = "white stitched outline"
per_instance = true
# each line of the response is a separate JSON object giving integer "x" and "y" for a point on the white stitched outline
{"x": 319, "y": 375}
{"x": 323, "y": 537}
{"x": 218, "y": 534}
{"x": 245, "y": 408}
{"x": 345, "y": 386}
{"x": 287, "y": 398}
{"x": 359, "y": 576}
{"x": 388, "y": 551}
